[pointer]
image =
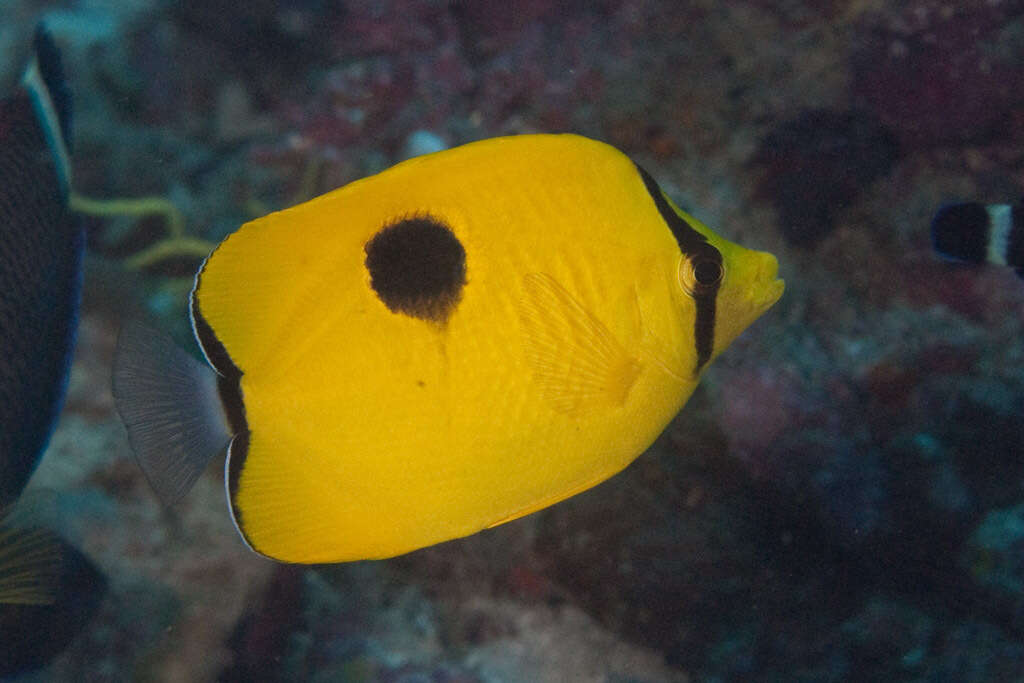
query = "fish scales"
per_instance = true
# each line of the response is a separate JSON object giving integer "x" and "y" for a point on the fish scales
{"x": 443, "y": 347}
{"x": 40, "y": 247}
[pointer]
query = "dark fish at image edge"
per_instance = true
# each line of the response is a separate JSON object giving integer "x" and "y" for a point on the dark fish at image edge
{"x": 48, "y": 588}
{"x": 976, "y": 233}
{"x": 41, "y": 247}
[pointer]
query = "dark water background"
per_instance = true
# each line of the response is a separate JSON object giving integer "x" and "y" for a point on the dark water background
{"x": 841, "y": 500}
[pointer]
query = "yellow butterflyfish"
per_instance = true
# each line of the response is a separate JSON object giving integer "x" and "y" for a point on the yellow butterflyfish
{"x": 453, "y": 343}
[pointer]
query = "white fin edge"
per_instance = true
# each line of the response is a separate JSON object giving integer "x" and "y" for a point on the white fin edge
{"x": 231, "y": 504}
{"x": 1001, "y": 221}
{"x": 46, "y": 112}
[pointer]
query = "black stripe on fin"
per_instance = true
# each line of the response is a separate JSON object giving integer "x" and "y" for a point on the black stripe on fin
{"x": 170, "y": 404}
{"x": 237, "y": 452}
{"x": 228, "y": 382}
{"x": 217, "y": 356}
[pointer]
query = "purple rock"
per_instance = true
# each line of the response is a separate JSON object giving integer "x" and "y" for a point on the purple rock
{"x": 943, "y": 74}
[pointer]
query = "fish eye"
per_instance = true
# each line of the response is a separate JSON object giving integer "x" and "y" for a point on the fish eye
{"x": 707, "y": 273}
{"x": 701, "y": 272}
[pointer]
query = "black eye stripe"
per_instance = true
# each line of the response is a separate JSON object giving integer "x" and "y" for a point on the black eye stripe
{"x": 694, "y": 246}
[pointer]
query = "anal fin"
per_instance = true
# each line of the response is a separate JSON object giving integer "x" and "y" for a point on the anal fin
{"x": 30, "y": 561}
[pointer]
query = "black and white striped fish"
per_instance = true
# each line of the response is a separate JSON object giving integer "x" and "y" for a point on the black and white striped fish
{"x": 972, "y": 232}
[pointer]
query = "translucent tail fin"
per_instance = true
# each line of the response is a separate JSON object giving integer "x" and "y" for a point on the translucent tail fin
{"x": 170, "y": 405}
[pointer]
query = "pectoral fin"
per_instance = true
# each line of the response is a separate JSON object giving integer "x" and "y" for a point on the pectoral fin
{"x": 575, "y": 359}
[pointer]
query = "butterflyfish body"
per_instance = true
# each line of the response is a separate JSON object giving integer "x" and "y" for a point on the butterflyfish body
{"x": 458, "y": 341}
{"x": 972, "y": 232}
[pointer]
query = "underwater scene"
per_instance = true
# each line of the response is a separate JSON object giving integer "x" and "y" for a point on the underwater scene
{"x": 426, "y": 341}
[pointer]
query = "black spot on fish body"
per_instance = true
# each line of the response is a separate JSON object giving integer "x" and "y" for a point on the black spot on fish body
{"x": 417, "y": 268}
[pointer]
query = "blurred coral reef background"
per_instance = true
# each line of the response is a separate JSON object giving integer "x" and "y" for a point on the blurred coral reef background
{"x": 842, "y": 499}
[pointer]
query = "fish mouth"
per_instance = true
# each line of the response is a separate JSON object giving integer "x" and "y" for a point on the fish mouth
{"x": 778, "y": 286}
{"x": 772, "y": 286}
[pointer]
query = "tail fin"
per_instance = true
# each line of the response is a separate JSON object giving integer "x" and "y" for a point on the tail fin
{"x": 170, "y": 405}
{"x": 973, "y": 232}
{"x": 44, "y": 80}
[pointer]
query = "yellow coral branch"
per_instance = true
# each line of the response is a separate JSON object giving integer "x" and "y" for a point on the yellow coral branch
{"x": 143, "y": 206}
{"x": 169, "y": 248}
{"x": 177, "y": 244}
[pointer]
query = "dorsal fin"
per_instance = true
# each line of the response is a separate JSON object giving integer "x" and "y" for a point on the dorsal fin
{"x": 44, "y": 80}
